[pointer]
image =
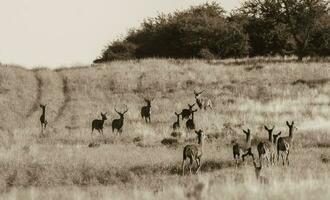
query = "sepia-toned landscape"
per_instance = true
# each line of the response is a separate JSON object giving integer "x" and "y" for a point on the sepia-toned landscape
{"x": 66, "y": 161}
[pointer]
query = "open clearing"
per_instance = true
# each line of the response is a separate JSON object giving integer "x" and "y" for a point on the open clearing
{"x": 136, "y": 165}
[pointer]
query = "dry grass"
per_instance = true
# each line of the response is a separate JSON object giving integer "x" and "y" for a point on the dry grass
{"x": 136, "y": 165}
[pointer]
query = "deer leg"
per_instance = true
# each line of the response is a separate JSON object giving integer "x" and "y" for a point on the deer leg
{"x": 199, "y": 165}
{"x": 268, "y": 160}
{"x": 182, "y": 166}
{"x": 190, "y": 164}
{"x": 282, "y": 158}
{"x": 287, "y": 157}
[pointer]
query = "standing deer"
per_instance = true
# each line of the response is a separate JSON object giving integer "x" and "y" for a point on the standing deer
{"x": 267, "y": 149}
{"x": 176, "y": 125}
{"x": 284, "y": 143}
{"x": 194, "y": 152}
{"x": 262, "y": 179}
{"x": 190, "y": 124}
{"x": 275, "y": 138}
{"x": 202, "y": 103}
{"x": 43, "y": 120}
{"x": 185, "y": 113}
{"x": 146, "y": 110}
{"x": 118, "y": 123}
{"x": 98, "y": 124}
{"x": 243, "y": 150}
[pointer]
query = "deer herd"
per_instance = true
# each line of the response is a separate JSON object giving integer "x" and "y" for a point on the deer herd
{"x": 267, "y": 149}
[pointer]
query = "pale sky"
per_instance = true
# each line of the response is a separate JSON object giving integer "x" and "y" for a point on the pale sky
{"x": 52, "y": 33}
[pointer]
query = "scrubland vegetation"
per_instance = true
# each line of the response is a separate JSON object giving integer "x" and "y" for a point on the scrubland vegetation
{"x": 136, "y": 165}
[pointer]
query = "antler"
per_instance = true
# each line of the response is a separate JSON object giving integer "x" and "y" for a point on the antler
{"x": 117, "y": 110}
{"x": 126, "y": 109}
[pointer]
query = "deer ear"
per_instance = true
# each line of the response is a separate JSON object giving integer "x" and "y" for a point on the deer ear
{"x": 279, "y": 133}
{"x": 292, "y": 123}
{"x": 287, "y": 123}
{"x": 266, "y": 128}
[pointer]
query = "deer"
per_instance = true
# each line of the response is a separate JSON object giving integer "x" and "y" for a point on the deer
{"x": 266, "y": 149}
{"x": 190, "y": 124}
{"x": 176, "y": 125}
{"x": 275, "y": 138}
{"x": 43, "y": 120}
{"x": 284, "y": 143}
{"x": 117, "y": 124}
{"x": 185, "y": 113}
{"x": 202, "y": 103}
{"x": 98, "y": 124}
{"x": 262, "y": 179}
{"x": 243, "y": 150}
{"x": 194, "y": 152}
{"x": 146, "y": 110}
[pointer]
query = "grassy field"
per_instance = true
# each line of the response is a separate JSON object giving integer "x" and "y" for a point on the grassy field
{"x": 136, "y": 165}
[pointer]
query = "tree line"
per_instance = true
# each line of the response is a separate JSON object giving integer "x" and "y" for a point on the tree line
{"x": 256, "y": 28}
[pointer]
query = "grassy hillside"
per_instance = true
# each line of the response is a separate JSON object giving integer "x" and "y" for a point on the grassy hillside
{"x": 245, "y": 94}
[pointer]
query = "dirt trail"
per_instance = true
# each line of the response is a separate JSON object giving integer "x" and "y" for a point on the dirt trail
{"x": 36, "y": 103}
{"x": 49, "y": 91}
{"x": 65, "y": 91}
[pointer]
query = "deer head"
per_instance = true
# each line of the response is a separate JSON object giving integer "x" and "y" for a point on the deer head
{"x": 121, "y": 114}
{"x": 104, "y": 116}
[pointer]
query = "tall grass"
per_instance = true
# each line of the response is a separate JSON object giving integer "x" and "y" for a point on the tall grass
{"x": 135, "y": 164}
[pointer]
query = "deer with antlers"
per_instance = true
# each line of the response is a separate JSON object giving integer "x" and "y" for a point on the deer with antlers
{"x": 203, "y": 103}
{"x": 43, "y": 120}
{"x": 146, "y": 110}
{"x": 117, "y": 124}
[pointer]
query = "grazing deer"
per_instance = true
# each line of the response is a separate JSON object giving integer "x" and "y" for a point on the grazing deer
{"x": 267, "y": 149}
{"x": 43, "y": 120}
{"x": 262, "y": 179}
{"x": 202, "y": 103}
{"x": 190, "y": 124}
{"x": 118, "y": 123}
{"x": 194, "y": 152}
{"x": 146, "y": 110}
{"x": 243, "y": 149}
{"x": 176, "y": 125}
{"x": 284, "y": 143}
{"x": 98, "y": 124}
{"x": 185, "y": 113}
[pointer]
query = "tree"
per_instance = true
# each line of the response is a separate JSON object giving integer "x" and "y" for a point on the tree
{"x": 299, "y": 17}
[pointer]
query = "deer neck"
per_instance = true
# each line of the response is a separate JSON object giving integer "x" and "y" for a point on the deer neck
{"x": 200, "y": 146}
{"x": 270, "y": 137}
{"x": 290, "y": 134}
{"x": 43, "y": 111}
{"x": 198, "y": 101}
{"x": 178, "y": 120}
{"x": 248, "y": 140}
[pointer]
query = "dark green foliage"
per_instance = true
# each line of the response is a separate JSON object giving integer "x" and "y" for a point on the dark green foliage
{"x": 257, "y": 28}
